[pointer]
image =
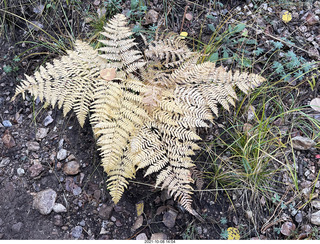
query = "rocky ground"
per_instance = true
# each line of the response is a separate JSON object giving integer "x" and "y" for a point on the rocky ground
{"x": 51, "y": 184}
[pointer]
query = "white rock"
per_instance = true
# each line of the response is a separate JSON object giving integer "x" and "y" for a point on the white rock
{"x": 20, "y": 171}
{"x": 59, "y": 208}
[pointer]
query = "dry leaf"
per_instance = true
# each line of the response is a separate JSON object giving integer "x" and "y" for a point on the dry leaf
{"x": 183, "y": 34}
{"x": 233, "y": 233}
{"x": 315, "y": 104}
{"x": 108, "y": 73}
{"x": 286, "y": 17}
{"x": 139, "y": 208}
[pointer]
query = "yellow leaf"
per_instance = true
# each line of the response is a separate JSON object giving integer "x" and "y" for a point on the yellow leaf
{"x": 286, "y": 17}
{"x": 234, "y": 233}
{"x": 184, "y": 34}
{"x": 139, "y": 208}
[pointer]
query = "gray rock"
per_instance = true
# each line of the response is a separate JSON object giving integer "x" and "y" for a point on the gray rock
{"x": 59, "y": 208}
{"x": 62, "y": 154}
{"x": 142, "y": 236}
{"x": 33, "y": 146}
{"x": 1, "y": 222}
{"x": 169, "y": 218}
{"x": 105, "y": 211}
{"x": 17, "y": 227}
{"x": 302, "y": 143}
{"x": 316, "y": 204}
{"x": 44, "y": 201}
{"x": 76, "y": 231}
{"x": 48, "y": 120}
{"x": 41, "y": 133}
{"x": 315, "y": 218}
{"x": 71, "y": 168}
{"x": 4, "y": 162}
{"x": 159, "y": 236}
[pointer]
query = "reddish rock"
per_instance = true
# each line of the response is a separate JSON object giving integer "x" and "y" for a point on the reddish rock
{"x": 35, "y": 169}
{"x": 8, "y": 140}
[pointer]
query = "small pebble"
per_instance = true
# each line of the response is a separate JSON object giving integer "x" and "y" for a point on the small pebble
{"x": 62, "y": 154}
{"x": 159, "y": 236}
{"x": 58, "y": 220}
{"x": 33, "y": 146}
{"x": 59, "y": 208}
{"x": 76, "y": 231}
{"x": 6, "y": 123}
{"x": 20, "y": 171}
{"x": 76, "y": 190}
{"x": 35, "y": 170}
{"x": 41, "y": 133}
{"x": 142, "y": 236}
{"x": 17, "y": 227}
{"x": 298, "y": 217}
{"x": 71, "y": 168}
{"x": 169, "y": 218}
{"x": 48, "y": 120}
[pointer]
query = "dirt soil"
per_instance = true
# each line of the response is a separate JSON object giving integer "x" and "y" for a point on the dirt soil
{"x": 29, "y": 164}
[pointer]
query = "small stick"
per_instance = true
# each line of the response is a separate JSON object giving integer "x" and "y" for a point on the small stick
{"x": 184, "y": 16}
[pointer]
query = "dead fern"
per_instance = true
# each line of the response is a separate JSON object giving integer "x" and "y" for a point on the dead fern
{"x": 144, "y": 112}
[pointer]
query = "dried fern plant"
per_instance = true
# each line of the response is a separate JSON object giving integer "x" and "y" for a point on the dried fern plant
{"x": 144, "y": 109}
